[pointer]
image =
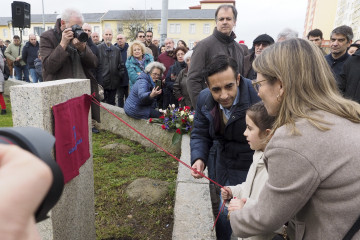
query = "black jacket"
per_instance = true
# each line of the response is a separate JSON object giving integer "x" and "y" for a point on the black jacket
{"x": 30, "y": 53}
{"x": 336, "y": 65}
{"x": 96, "y": 71}
{"x": 111, "y": 61}
{"x": 233, "y": 151}
{"x": 350, "y": 77}
{"x": 125, "y": 80}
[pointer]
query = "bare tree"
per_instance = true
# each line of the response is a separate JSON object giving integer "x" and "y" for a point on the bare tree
{"x": 135, "y": 21}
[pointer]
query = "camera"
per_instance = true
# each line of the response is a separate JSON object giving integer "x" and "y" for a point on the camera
{"x": 39, "y": 143}
{"x": 79, "y": 33}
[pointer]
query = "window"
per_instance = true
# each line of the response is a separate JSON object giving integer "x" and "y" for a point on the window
{"x": 149, "y": 26}
{"x": 38, "y": 30}
{"x": 192, "y": 29}
{"x": 178, "y": 29}
{"x": 96, "y": 29}
{"x": 175, "y": 28}
{"x": 206, "y": 28}
{"x": 26, "y": 32}
{"x": 120, "y": 28}
{"x": 172, "y": 28}
{"x": 191, "y": 44}
{"x": 5, "y": 33}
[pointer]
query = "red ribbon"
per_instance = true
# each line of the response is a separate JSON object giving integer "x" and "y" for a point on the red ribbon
{"x": 94, "y": 100}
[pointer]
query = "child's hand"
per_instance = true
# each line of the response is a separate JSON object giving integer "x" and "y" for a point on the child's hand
{"x": 226, "y": 193}
{"x": 236, "y": 204}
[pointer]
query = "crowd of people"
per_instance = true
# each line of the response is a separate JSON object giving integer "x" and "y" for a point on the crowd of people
{"x": 288, "y": 100}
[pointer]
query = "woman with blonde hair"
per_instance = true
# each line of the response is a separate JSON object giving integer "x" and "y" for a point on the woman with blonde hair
{"x": 137, "y": 61}
{"x": 313, "y": 155}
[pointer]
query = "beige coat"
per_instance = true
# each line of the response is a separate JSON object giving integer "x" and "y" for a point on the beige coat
{"x": 314, "y": 179}
{"x": 251, "y": 188}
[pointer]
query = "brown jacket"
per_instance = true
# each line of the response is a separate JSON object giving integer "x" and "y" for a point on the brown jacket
{"x": 314, "y": 181}
{"x": 217, "y": 43}
{"x": 56, "y": 61}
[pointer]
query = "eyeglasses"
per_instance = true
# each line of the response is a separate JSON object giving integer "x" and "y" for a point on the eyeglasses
{"x": 256, "y": 84}
{"x": 156, "y": 74}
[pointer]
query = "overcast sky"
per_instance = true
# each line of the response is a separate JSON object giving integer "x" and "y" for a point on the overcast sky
{"x": 254, "y": 16}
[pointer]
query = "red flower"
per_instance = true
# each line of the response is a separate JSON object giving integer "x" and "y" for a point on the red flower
{"x": 162, "y": 117}
{"x": 183, "y": 120}
{"x": 178, "y": 131}
{"x": 163, "y": 127}
{"x": 180, "y": 109}
{"x": 150, "y": 120}
{"x": 187, "y": 108}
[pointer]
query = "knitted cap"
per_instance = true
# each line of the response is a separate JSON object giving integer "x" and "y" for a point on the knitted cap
{"x": 263, "y": 38}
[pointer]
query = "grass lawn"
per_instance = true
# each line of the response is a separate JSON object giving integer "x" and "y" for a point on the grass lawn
{"x": 6, "y": 120}
{"x": 116, "y": 216}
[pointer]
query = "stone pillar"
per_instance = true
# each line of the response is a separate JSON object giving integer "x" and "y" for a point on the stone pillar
{"x": 74, "y": 215}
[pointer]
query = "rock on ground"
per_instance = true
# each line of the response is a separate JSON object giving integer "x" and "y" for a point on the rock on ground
{"x": 147, "y": 190}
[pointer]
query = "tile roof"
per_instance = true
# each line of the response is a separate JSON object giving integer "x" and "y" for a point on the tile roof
{"x": 156, "y": 14}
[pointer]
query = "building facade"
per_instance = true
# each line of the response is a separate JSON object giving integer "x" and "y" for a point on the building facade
{"x": 188, "y": 25}
{"x": 348, "y": 13}
{"x": 320, "y": 14}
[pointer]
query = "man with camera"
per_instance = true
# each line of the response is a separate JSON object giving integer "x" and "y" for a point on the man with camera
{"x": 64, "y": 50}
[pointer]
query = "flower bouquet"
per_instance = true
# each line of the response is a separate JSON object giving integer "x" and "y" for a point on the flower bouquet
{"x": 178, "y": 119}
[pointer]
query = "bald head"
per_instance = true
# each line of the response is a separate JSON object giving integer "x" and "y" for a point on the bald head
{"x": 87, "y": 28}
{"x": 32, "y": 39}
{"x": 95, "y": 37}
{"x": 108, "y": 36}
{"x": 121, "y": 40}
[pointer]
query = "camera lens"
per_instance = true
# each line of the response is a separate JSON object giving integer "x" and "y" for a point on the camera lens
{"x": 39, "y": 143}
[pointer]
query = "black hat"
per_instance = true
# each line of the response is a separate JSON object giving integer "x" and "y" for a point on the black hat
{"x": 264, "y": 38}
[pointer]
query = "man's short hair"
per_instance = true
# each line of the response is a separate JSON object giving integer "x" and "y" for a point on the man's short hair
{"x": 149, "y": 31}
{"x": 226, "y": 6}
{"x": 220, "y": 63}
{"x": 137, "y": 33}
{"x": 344, "y": 30}
{"x": 315, "y": 33}
{"x": 71, "y": 12}
{"x": 16, "y": 37}
{"x": 287, "y": 33}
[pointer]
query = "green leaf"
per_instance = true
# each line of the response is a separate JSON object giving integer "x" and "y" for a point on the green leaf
{"x": 176, "y": 138}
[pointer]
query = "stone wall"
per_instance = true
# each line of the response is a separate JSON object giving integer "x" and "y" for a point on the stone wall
{"x": 193, "y": 217}
{"x": 150, "y": 130}
{"x": 73, "y": 217}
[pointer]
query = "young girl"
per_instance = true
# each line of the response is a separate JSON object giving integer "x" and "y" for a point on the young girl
{"x": 258, "y": 127}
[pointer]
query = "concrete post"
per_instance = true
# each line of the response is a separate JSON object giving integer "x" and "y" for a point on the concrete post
{"x": 74, "y": 215}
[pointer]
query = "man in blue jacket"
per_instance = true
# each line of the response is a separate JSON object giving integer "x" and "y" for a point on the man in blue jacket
{"x": 220, "y": 121}
{"x": 29, "y": 54}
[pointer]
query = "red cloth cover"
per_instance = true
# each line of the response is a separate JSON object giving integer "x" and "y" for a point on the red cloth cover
{"x": 72, "y": 135}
